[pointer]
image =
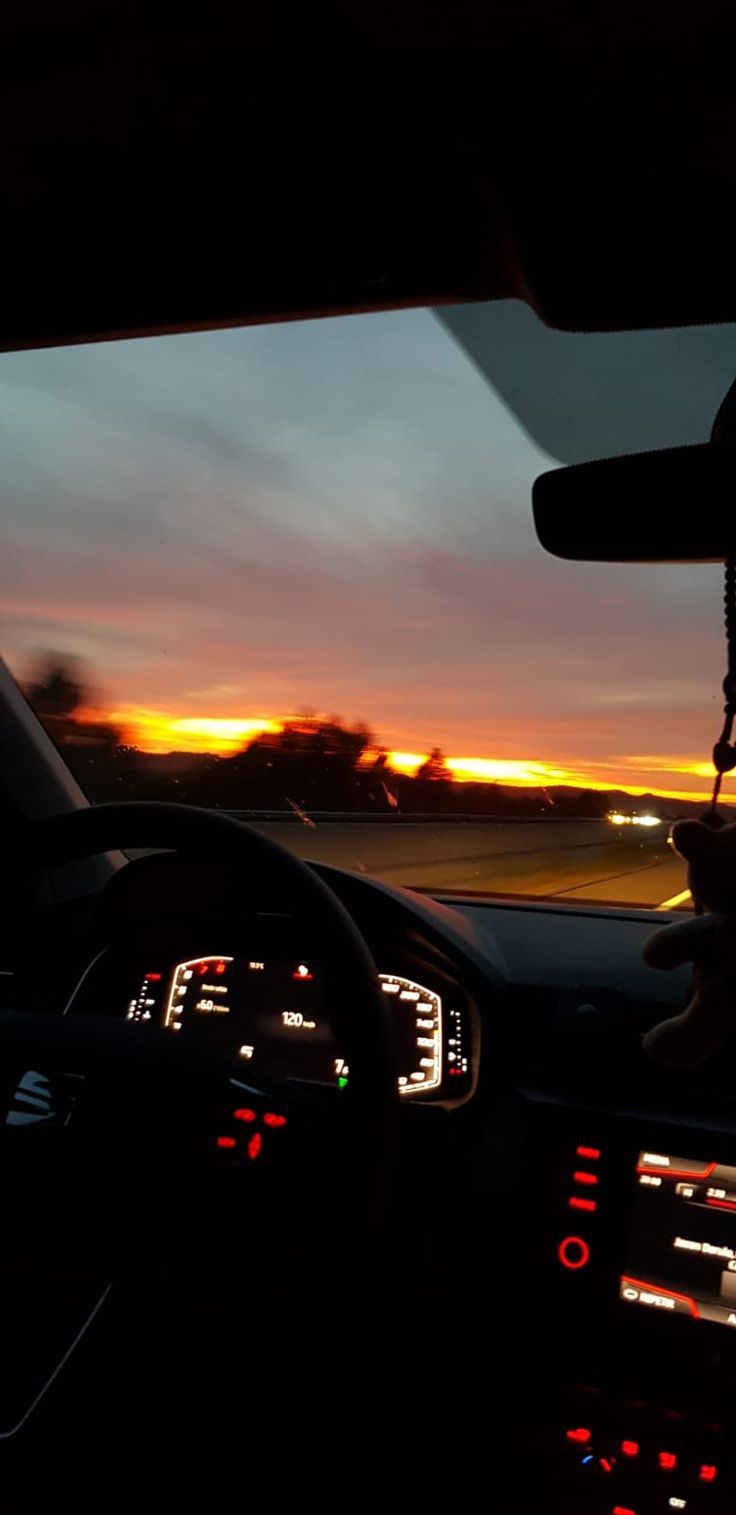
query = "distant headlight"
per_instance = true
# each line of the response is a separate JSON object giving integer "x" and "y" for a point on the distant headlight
{"x": 617, "y": 818}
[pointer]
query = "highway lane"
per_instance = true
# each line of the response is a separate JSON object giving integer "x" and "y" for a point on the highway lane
{"x": 589, "y": 860}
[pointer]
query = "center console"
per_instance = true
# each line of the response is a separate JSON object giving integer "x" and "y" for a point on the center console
{"x": 628, "y": 1313}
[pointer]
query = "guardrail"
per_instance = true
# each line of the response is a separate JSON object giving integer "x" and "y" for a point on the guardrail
{"x": 406, "y": 818}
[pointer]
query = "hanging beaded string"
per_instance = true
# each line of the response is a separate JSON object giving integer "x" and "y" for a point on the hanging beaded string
{"x": 724, "y": 752}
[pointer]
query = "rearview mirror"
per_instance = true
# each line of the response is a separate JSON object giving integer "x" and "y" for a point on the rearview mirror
{"x": 673, "y": 506}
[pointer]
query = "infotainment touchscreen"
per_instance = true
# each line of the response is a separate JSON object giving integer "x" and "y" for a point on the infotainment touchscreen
{"x": 682, "y": 1248}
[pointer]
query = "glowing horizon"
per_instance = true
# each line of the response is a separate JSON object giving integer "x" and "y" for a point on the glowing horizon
{"x": 157, "y": 732}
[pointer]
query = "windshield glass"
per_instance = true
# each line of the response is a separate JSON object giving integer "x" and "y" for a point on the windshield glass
{"x": 291, "y": 570}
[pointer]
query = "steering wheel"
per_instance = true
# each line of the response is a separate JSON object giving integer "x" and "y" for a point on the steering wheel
{"x": 140, "y": 1097}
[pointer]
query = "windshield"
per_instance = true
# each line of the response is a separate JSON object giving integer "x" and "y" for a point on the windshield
{"x": 291, "y": 571}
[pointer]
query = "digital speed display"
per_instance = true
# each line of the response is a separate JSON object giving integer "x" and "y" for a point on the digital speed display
{"x": 271, "y": 1014}
{"x": 682, "y": 1251}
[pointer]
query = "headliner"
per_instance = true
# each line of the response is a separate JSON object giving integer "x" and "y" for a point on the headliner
{"x": 158, "y": 179}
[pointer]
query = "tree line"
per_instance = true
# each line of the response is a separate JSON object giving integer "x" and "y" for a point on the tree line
{"x": 313, "y": 764}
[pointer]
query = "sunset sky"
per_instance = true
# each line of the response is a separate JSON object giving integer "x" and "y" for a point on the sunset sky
{"x": 231, "y": 527}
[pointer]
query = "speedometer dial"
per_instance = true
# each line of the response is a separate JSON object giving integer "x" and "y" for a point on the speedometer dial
{"x": 417, "y": 1022}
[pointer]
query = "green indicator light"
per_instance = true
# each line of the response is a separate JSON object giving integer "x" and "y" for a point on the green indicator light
{"x": 342, "y": 1082}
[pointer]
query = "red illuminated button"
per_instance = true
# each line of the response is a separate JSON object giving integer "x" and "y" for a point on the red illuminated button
{"x": 584, "y": 1178}
{"x": 591, "y": 1153}
{"x": 573, "y": 1252}
{"x": 629, "y": 1449}
{"x": 254, "y": 1146}
{"x": 667, "y": 1461}
{"x": 244, "y": 1114}
{"x": 271, "y": 1119}
{"x": 578, "y": 1433}
{"x": 708, "y": 1472}
{"x": 227, "y": 1142}
{"x": 620, "y": 1509}
{"x": 576, "y": 1203}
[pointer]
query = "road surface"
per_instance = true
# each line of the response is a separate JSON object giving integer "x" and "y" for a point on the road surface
{"x": 585, "y": 860}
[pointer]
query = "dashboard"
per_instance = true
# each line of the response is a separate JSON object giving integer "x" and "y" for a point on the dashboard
{"x": 564, "y": 1211}
{"x": 611, "y": 1228}
{"x": 628, "y": 1301}
{"x": 271, "y": 1015}
{"x": 682, "y": 1246}
{"x": 261, "y": 999}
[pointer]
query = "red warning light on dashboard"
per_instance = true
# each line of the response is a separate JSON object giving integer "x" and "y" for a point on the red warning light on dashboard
{"x": 272, "y": 1119}
{"x": 585, "y": 1178}
{"x": 244, "y": 1114}
{"x": 576, "y": 1203}
{"x": 302, "y": 974}
{"x": 573, "y": 1253}
{"x": 254, "y": 1146}
{"x": 579, "y": 1434}
{"x": 667, "y": 1461}
{"x": 620, "y": 1509}
{"x": 591, "y": 1153}
{"x": 226, "y": 1142}
{"x": 629, "y": 1449}
{"x": 708, "y": 1472}
{"x": 153, "y": 978}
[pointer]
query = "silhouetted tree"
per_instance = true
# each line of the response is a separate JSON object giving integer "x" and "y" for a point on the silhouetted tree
{"x": 57, "y": 689}
{"x": 435, "y": 768}
{"x": 57, "y": 692}
{"x": 311, "y": 764}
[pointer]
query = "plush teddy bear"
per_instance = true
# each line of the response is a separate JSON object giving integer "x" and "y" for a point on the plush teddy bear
{"x": 707, "y": 941}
